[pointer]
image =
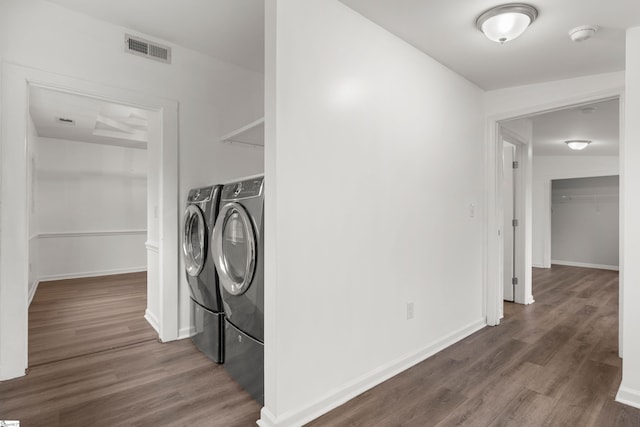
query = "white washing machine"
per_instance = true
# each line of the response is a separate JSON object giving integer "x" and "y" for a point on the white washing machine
{"x": 237, "y": 250}
{"x": 207, "y": 312}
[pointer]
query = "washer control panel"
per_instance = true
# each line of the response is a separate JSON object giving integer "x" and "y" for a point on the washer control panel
{"x": 243, "y": 189}
{"x": 199, "y": 195}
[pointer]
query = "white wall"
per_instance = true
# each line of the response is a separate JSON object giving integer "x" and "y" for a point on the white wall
{"x": 91, "y": 201}
{"x": 214, "y": 97}
{"x": 372, "y": 171}
{"x": 585, "y": 222}
{"x": 630, "y": 388}
{"x": 546, "y": 169}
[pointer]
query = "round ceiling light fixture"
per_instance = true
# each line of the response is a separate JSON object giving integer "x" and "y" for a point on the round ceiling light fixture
{"x": 506, "y": 22}
{"x": 578, "y": 144}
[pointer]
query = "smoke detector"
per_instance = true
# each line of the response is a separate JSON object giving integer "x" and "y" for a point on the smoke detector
{"x": 583, "y": 32}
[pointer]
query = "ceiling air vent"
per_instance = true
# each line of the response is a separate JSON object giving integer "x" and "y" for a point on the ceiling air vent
{"x": 142, "y": 47}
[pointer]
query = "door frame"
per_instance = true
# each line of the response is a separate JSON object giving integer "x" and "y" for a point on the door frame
{"x": 14, "y": 228}
{"x": 493, "y": 200}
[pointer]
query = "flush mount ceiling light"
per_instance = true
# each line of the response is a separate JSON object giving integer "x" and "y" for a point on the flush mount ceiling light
{"x": 577, "y": 144}
{"x": 504, "y": 23}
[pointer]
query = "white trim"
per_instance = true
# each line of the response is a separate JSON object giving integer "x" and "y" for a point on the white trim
{"x": 586, "y": 265}
{"x": 152, "y": 320}
{"x": 33, "y": 290}
{"x": 267, "y": 419}
{"x": 152, "y": 247}
{"x": 186, "y": 332}
{"x": 68, "y": 234}
{"x": 365, "y": 382}
{"x": 628, "y": 396}
{"x": 95, "y": 273}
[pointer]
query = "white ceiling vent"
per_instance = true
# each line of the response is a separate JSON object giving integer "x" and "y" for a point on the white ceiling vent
{"x": 142, "y": 47}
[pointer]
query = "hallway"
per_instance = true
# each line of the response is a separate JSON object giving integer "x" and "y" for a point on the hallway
{"x": 552, "y": 363}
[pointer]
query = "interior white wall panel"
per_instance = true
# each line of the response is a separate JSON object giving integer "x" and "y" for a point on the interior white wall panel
{"x": 378, "y": 186}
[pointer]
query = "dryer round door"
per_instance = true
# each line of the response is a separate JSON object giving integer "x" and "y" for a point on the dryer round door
{"x": 194, "y": 249}
{"x": 234, "y": 248}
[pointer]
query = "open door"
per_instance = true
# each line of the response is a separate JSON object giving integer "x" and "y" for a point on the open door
{"x": 510, "y": 166}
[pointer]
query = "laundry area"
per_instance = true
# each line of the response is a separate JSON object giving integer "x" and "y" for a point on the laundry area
{"x": 222, "y": 248}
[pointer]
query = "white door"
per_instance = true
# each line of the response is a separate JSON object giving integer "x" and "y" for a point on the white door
{"x": 508, "y": 192}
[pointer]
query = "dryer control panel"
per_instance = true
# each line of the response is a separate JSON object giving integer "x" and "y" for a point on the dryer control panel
{"x": 243, "y": 189}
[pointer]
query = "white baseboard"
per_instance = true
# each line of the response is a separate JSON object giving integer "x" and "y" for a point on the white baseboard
{"x": 79, "y": 275}
{"x": 266, "y": 418}
{"x": 364, "y": 382}
{"x": 186, "y": 332}
{"x": 152, "y": 320}
{"x": 32, "y": 291}
{"x": 628, "y": 396}
{"x": 529, "y": 300}
{"x": 9, "y": 374}
{"x": 586, "y": 265}
{"x": 538, "y": 265}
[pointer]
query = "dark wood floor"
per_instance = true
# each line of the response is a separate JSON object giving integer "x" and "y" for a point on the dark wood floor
{"x": 552, "y": 363}
{"x": 94, "y": 361}
{"x": 75, "y": 317}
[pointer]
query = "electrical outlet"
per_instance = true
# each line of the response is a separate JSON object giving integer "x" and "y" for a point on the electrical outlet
{"x": 409, "y": 310}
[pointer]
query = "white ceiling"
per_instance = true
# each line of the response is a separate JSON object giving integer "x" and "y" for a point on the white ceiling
{"x": 231, "y": 30}
{"x": 598, "y": 122}
{"x": 94, "y": 120}
{"x": 445, "y": 30}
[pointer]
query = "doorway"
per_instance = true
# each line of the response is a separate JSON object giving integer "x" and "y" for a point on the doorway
{"x": 88, "y": 200}
{"x": 162, "y": 262}
{"x": 548, "y": 157}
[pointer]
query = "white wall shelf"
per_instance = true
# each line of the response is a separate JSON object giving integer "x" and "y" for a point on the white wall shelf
{"x": 251, "y": 134}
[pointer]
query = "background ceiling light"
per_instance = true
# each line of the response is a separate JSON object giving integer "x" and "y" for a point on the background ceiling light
{"x": 504, "y": 23}
{"x": 583, "y": 32}
{"x": 577, "y": 144}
